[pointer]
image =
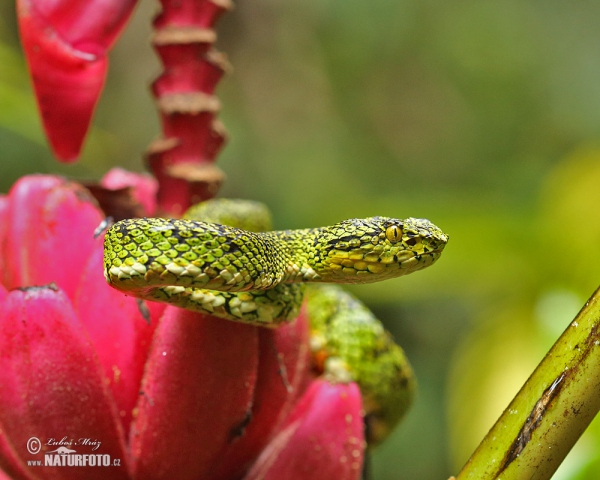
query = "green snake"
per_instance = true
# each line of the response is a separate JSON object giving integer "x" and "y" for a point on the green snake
{"x": 223, "y": 259}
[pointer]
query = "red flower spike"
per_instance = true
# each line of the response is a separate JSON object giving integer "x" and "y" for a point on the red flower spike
{"x": 182, "y": 159}
{"x": 65, "y": 44}
{"x": 52, "y": 382}
{"x": 50, "y": 232}
{"x": 182, "y": 183}
{"x": 120, "y": 333}
{"x": 283, "y": 375}
{"x": 180, "y": 416}
{"x": 323, "y": 434}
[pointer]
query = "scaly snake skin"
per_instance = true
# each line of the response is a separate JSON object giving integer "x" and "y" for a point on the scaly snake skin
{"x": 182, "y": 262}
{"x": 251, "y": 275}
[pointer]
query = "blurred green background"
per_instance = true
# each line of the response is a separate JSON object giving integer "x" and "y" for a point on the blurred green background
{"x": 481, "y": 116}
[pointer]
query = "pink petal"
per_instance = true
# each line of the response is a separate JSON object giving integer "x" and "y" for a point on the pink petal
{"x": 283, "y": 375}
{"x": 144, "y": 186}
{"x": 52, "y": 383}
{"x": 51, "y": 226}
{"x": 196, "y": 394}
{"x": 119, "y": 332}
{"x": 323, "y": 438}
{"x": 65, "y": 43}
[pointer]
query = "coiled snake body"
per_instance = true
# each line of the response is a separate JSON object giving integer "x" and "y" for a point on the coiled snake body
{"x": 222, "y": 259}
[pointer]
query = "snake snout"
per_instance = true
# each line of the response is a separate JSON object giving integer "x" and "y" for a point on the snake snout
{"x": 427, "y": 232}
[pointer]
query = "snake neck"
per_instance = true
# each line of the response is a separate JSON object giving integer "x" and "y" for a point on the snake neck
{"x": 302, "y": 258}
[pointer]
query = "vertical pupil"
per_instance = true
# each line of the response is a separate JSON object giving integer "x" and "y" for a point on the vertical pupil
{"x": 393, "y": 233}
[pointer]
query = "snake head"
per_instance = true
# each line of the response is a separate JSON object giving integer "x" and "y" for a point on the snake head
{"x": 377, "y": 248}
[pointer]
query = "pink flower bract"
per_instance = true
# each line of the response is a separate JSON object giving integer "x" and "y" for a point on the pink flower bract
{"x": 156, "y": 391}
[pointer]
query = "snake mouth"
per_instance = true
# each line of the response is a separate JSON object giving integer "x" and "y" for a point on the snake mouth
{"x": 422, "y": 257}
{"x": 417, "y": 261}
{"x": 369, "y": 270}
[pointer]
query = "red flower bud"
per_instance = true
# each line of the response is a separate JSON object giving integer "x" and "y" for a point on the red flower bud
{"x": 196, "y": 395}
{"x": 65, "y": 44}
{"x": 52, "y": 384}
{"x": 324, "y": 434}
{"x": 282, "y": 378}
{"x": 50, "y": 232}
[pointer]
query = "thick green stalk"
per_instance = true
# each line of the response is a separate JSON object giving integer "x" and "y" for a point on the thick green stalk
{"x": 550, "y": 412}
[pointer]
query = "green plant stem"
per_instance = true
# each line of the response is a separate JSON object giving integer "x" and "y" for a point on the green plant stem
{"x": 550, "y": 412}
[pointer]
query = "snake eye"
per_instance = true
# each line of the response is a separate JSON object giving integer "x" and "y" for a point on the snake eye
{"x": 393, "y": 233}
